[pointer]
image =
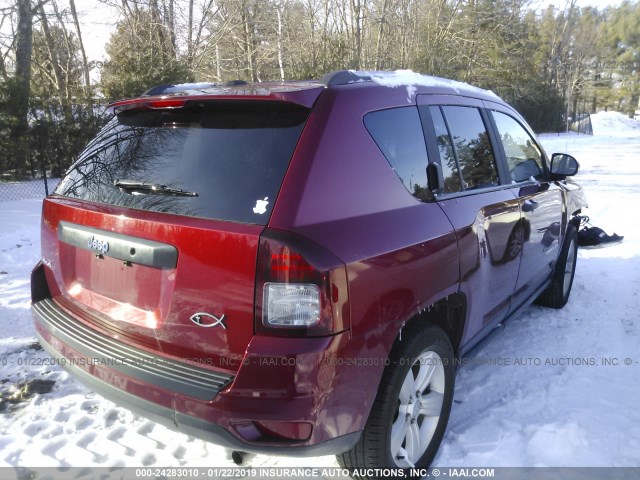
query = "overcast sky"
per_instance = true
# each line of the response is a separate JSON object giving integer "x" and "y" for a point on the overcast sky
{"x": 98, "y": 21}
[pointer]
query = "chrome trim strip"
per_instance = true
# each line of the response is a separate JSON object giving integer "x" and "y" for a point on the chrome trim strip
{"x": 123, "y": 247}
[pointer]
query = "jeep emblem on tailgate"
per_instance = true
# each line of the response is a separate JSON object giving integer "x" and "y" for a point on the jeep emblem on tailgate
{"x": 198, "y": 319}
{"x": 100, "y": 245}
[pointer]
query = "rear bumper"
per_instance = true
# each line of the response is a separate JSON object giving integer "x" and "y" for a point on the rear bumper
{"x": 194, "y": 401}
{"x": 133, "y": 362}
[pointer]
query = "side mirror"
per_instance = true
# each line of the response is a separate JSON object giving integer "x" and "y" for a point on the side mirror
{"x": 564, "y": 165}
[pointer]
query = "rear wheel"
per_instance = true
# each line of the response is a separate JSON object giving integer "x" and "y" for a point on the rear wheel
{"x": 557, "y": 293}
{"x": 411, "y": 410}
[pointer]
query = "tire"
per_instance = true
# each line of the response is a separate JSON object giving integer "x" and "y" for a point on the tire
{"x": 424, "y": 354}
{"x": 557, "y": 293}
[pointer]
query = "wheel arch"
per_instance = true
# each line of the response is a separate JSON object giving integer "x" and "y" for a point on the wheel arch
{"x": 448, "y": 313}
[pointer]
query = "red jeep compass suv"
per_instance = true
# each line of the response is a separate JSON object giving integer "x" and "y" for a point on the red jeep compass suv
{"x": 294, "y": 268}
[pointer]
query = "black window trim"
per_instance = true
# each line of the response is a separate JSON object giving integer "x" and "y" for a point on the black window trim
{"x": 430, "y": 136}
{"x": 476, "y": 191}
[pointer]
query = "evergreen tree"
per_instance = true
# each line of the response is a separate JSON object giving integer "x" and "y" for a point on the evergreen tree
{"x": 141, "y": 56}
{"x": 623, "y": 42}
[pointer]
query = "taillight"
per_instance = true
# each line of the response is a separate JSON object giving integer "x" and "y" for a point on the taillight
{"x": 287, "y": 305}
{"x": 301, "y": 288}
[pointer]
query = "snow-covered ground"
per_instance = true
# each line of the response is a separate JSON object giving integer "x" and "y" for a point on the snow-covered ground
{"x": 553, "y": 404}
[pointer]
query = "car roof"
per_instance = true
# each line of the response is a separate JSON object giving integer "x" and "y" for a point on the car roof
{"x": 415, "y": 83}
{"x": 305, "y": 92}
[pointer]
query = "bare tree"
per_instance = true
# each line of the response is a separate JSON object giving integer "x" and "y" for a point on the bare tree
{"x": 55, "y": 63}
{"x": 85, "y": 63}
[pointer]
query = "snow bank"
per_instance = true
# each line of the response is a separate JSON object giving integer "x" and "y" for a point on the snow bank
{"x": 614, "y": 124}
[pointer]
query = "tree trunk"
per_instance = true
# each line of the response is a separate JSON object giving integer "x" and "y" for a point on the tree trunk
{"x": 383, "y": 19}
{"x": 633, "y": 105}
{"x": 24, "y": 45}
{"x": 3, "y": 68}
{"x": 23, "y": 54}
{"x": 85, "y": 63}
{"x": 63, "y": 97}
{"x": 356, "y": 11}
{"x": 190, "y": 34}
{"x": 248, "y": 43}
{"x": 218, "y": 68}
{"x": 172, "y": 29}
{"x": 280, "y": 61}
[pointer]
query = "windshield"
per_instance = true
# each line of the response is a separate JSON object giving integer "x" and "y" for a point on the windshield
{"x": 233, "y": 154}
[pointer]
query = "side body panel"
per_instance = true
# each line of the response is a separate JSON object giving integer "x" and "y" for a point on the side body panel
{"x": 484, "y": 224}
{"x": 400, "y": 253}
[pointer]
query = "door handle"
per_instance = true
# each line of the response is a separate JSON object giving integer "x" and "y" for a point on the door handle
{"x": 529, "y": 206}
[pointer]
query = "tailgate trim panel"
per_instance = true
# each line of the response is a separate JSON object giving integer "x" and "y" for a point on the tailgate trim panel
{"x": 123, "y": 247}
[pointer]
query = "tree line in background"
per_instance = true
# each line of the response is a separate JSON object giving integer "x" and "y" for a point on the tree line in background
{"x": 549, "y": 64}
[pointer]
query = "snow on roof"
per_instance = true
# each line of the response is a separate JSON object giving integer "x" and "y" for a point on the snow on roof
{"x": 410, "y": 79}
{"x": 187, "y": 87}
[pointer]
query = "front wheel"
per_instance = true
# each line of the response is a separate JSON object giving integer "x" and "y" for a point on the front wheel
{"x": 411, "y": 410}
{"x": 557, "y": 293}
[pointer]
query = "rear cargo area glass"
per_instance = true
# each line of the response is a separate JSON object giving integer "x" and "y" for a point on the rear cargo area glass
{"x": 232, "y": 154}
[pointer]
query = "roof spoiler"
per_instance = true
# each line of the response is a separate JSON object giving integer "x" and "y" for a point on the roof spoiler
{"x": 185, "y": 87}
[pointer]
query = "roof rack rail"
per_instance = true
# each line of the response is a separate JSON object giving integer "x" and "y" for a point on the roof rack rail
{"x": 157, "y": 90}
{"x": 342, "y": 77}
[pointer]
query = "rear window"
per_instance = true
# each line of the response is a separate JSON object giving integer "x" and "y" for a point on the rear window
{"x": 233, "y": 155}
{"x": 398, "y": 134}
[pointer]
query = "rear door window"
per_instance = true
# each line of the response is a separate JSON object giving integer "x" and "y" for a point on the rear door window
{"x": 232, "y": 154}
{"x": 472, "y": 147}
{"x": 398, "y": 134}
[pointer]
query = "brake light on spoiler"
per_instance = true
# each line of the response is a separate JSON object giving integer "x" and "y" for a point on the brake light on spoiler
{"x": 146, "y": 104}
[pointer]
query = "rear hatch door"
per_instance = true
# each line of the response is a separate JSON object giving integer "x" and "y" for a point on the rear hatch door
{"x": 153, "y": 233}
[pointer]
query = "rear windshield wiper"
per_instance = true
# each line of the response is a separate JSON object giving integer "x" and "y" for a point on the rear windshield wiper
{"x": 142, "y": 188}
